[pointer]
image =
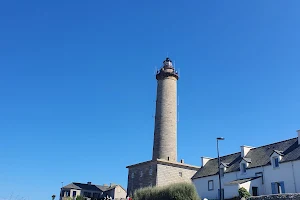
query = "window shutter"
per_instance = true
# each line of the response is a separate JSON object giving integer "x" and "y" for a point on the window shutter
{"x": 273, "y": 188}
{"x": 282, "y": 187}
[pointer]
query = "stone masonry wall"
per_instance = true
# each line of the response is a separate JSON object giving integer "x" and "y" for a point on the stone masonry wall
{"x": 277, "y": 196}
{"x": 165, "y": 131}
{"x": 168, "y": 174}
{"x": 137, "y": 180}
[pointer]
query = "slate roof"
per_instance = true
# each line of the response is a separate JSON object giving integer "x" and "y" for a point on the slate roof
{"x": 248, "y": 160}
{"x": 240, "y": 181}
{"x": 260, "y": 156}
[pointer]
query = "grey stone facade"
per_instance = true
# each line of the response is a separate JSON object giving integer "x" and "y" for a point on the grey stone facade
{"x": 158, "y": 173}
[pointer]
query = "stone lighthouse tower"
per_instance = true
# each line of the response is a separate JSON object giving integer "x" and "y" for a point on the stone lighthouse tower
{"x": 163, "y": 169}
{"x": 165, "y": 130}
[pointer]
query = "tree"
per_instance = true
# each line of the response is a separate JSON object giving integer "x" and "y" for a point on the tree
{"x": 244, "y": 193}
{"x": 79, "y": 198}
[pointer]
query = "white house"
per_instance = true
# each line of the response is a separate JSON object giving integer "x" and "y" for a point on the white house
{"x": 269, "y": 169}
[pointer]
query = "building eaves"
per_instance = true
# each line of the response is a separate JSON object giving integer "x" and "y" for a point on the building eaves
{"x": 241, "y": 181}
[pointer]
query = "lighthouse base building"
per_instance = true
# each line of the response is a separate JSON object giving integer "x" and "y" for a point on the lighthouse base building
{"x": 158, "y": 172}
{"x": 163, "y": 169}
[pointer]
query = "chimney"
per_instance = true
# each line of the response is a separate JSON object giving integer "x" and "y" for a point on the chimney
{"x": 204, "y": 160}
{"x": 245, "y": 150}
{"x": 89, "y": 183}
{"x": 298, "y": 136}
{"x": 112, "y": 184}
{"x": 182, "y": 161}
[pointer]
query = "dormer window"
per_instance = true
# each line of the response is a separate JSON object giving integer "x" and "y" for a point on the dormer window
{"x": 243, "y": 168}
{"x": 244, "y": 164}
{"x": 276, "y": 158}
{"x": 275, "y": 162}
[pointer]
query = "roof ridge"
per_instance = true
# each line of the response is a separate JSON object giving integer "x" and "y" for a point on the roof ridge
{"x": 226, "y": 155}
{"x": 273, "y": 143}
{"x": 257, "y": 147}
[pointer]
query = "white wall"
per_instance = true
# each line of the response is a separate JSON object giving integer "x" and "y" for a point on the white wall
{"x": 201, "y": 185}
{"x": 77, "y": 192}
{"x": 296, "y": 167}
{"x": 287, "y": 172}
{"x": 119, "y": 193}
{"x": 231, "y": 191}
{"x": 254, "y": 183}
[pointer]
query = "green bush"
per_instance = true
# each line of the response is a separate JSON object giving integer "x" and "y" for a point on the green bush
{"x": 244, "y": 193}
{"x": 80, "y": 198}
{"x": 178, "y": 191}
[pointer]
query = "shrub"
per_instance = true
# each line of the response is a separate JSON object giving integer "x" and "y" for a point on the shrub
{"x": 178, "y": 191}
{"x": 244, "y": 193}
{"x": 80, "y": 198}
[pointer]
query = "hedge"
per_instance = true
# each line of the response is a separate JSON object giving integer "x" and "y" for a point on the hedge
{"x": 177, "y": 191}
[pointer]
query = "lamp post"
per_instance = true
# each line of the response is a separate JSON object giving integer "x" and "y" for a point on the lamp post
{"x": 220, "y": 190}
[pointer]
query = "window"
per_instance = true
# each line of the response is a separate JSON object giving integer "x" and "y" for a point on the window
{"x": 243, "y": 168}
{"x": 74, "y": 193}
{"x": 96, "y": 195}
{"x": 67, "y": 193}
{"x": 222, "y": 172}
{"x": 150, "y": 171}
{"x": 211, "y": 185}
{"x": 180, "y": 174}
{"x": 87, "y": 194}
{"x": 275, "y": 162}
{"x": 141, "y": 174}
{"x": 278, "y": 187}
{"x": 132, "y": 175}
{"x": 254, "y": 191}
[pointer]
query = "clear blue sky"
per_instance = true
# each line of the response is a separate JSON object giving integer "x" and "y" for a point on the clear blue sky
{"x": 78, "y": 88}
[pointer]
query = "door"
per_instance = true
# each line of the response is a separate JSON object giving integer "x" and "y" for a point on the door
{"x": 254, "y": 191}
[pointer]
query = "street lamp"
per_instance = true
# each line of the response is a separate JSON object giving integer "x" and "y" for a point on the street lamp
{"x": 220, "y": 190}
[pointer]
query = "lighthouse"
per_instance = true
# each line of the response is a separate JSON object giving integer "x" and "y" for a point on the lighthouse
{"x": 163, "y": 169}
{"x": 165, "y": 129}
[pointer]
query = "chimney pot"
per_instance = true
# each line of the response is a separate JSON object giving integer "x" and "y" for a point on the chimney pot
{"x": 245, "y": 150}
{"x": 204, "y": 160}
{"x": 182, "y": 161}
